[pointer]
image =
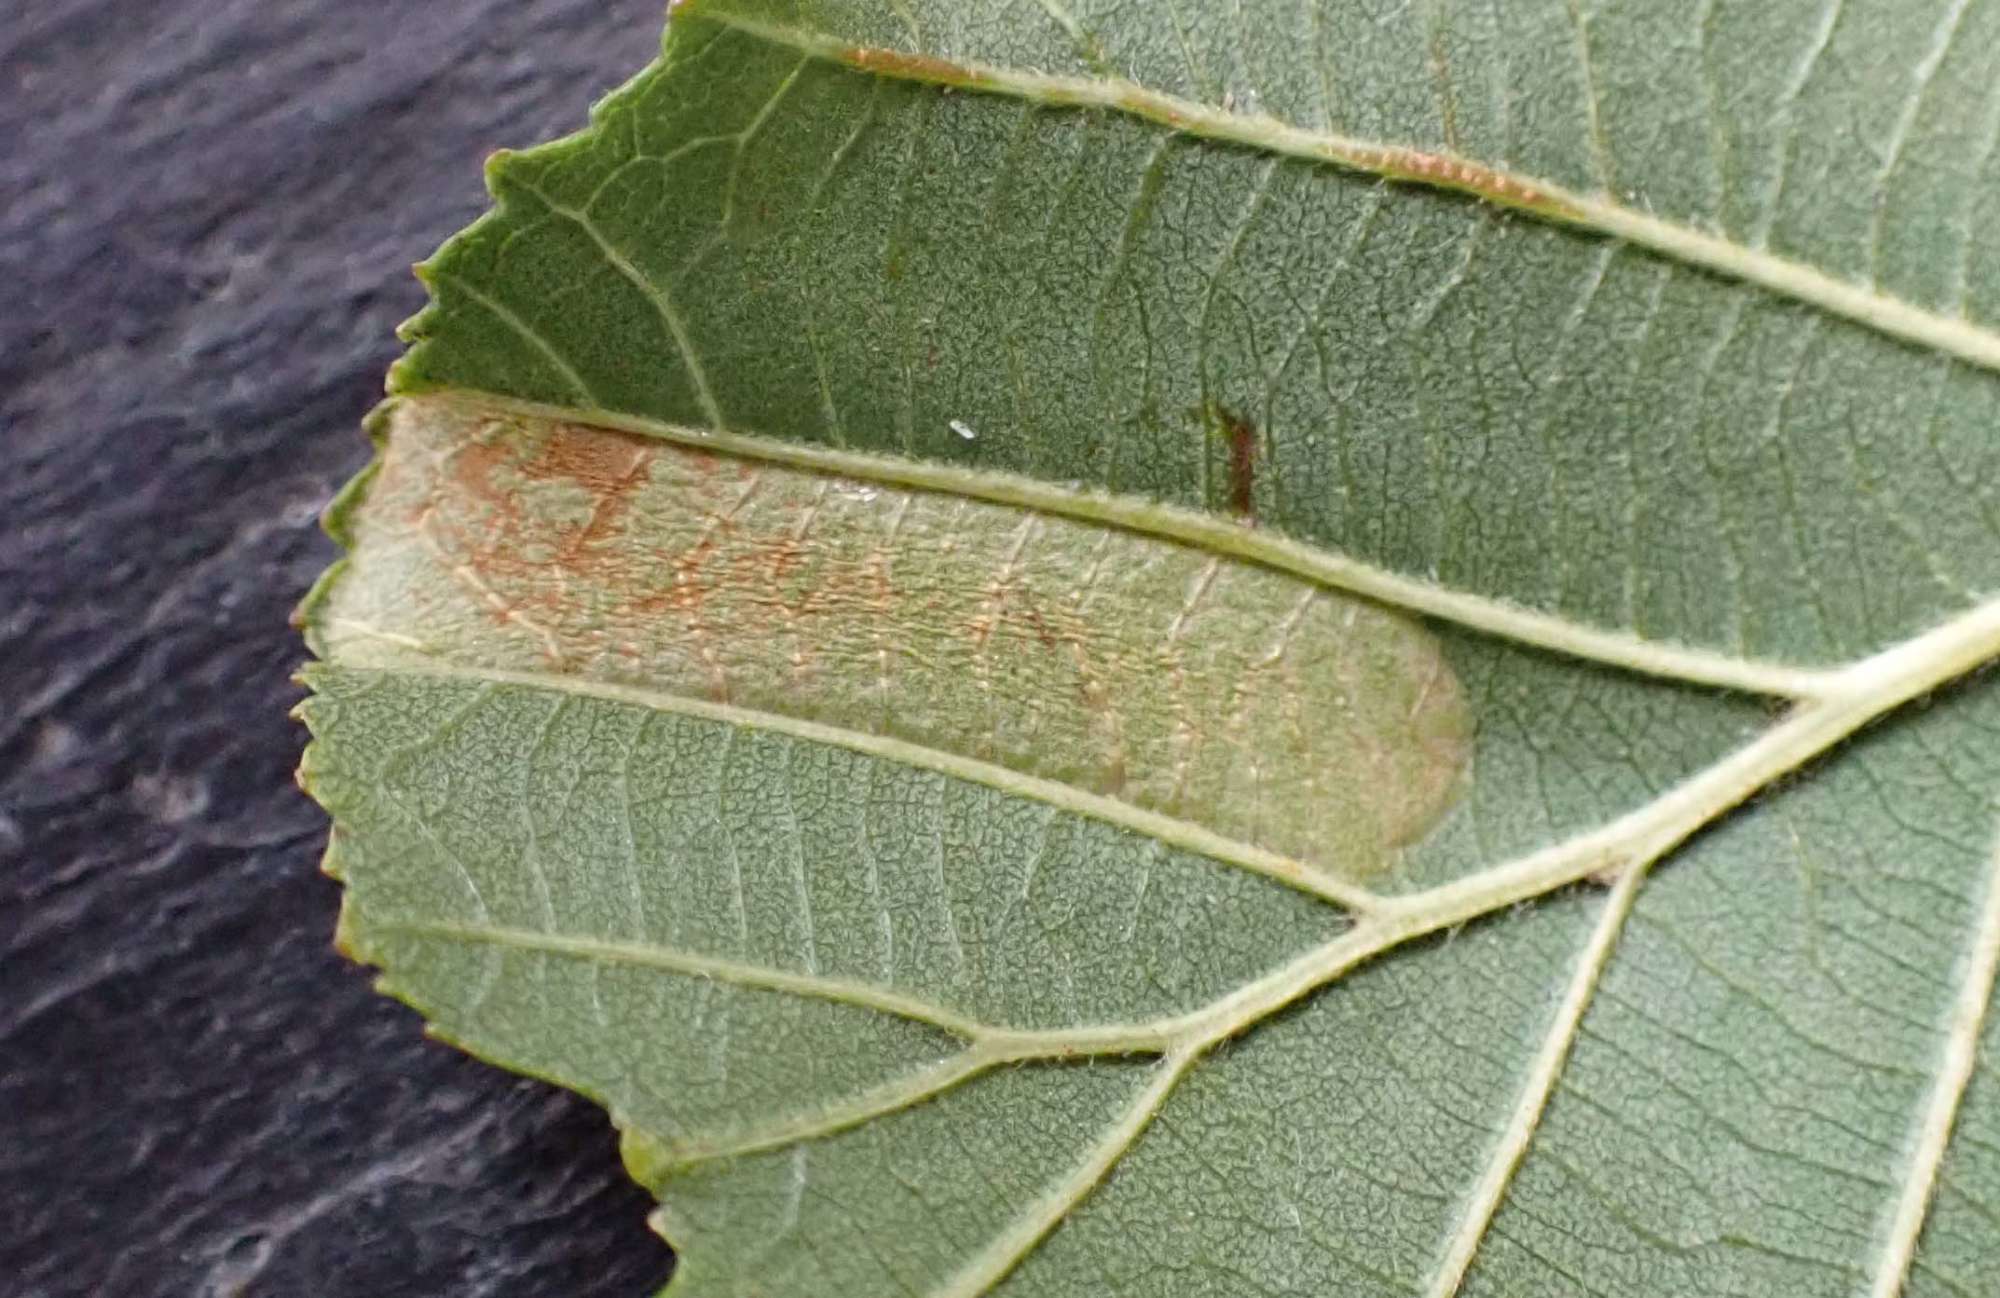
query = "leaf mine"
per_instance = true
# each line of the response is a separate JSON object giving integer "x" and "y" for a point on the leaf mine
{"x": 1302, "y": 721}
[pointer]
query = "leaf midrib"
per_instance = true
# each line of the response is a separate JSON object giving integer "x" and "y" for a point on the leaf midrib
{"x": 1598, "y": 213}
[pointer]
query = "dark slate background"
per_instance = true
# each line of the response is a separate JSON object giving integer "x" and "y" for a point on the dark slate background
{"x": 207, "y": 212}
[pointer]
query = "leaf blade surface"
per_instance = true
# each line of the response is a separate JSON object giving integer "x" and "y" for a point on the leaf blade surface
{"x": 960, "y": 253}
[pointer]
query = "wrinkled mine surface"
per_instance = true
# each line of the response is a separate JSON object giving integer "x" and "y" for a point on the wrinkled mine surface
{"x": 1258, "y": 705}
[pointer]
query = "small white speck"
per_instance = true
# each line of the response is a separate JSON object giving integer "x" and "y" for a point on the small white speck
{"x": 963, "y": 429}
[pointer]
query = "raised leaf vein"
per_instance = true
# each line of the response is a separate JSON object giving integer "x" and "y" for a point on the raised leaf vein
{"x": 986, "y": 1269}
{"x": 646, "y": 955}
{"x": 1539, "y": 1083}
{"x": 1749, "y": 262}
{"x": 1958, "y": 1053}
{"x": 1165, "y": 828}
{"x": 653, "y": 292}
{"x": 1230, "y": 538}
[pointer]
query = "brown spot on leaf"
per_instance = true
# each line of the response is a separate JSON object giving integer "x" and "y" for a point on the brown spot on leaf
{"x": 1239, "y": 440}
{"x": 1242, "y": 467}
{"x": 1449, "y": 172}
{"x": 472, "y": 467}
{"x": 912, "y": 67}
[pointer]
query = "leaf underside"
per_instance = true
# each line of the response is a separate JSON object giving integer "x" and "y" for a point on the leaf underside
{"x": 1217, "y": 650}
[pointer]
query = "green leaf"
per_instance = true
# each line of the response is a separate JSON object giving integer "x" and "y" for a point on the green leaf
{"x": 1218, "y": 649}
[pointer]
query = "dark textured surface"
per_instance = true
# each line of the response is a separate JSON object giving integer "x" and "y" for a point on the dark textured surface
{"x": 206, "y": 211}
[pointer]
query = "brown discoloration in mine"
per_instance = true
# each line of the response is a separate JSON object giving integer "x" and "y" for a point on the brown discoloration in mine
{"x": 594, "y": 458}
{"x": 474, "y": 514}
{"x": 609, "y": 468}
{"x": 472, "y": 467}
